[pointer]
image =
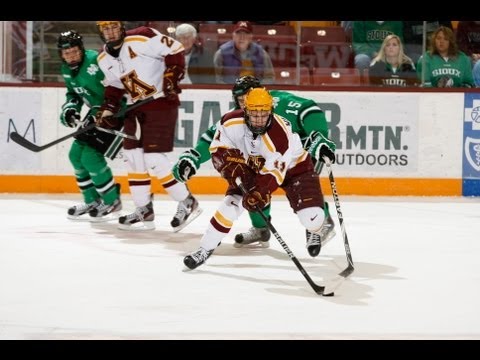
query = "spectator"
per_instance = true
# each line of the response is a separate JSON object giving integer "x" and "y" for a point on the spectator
{"x": 368, "y": 37}
{"x": 413, "y": 36}
{"x": 445, "y": 65}
{"x": 468, "y": 38}
{"x": 198, "y": 61}
{"x": 391, "y": 67}
{"x": 241, "y": 56}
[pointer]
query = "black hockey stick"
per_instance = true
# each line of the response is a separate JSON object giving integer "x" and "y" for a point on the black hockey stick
{"x": 116, "y": 132}
{"x": 317, "y": 288}
{"x": 20, "y": 140}
{"x": 350, "y": 268}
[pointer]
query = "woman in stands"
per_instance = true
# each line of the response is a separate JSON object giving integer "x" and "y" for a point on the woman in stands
{"x": 445, "y": 65}
{"x": 391, "y": 67}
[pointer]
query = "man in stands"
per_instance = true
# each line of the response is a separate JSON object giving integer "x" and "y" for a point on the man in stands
{"x": 241, "y": 56}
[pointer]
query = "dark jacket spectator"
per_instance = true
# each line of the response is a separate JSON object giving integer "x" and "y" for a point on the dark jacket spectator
{"x": 241, "y": 56}
{"x": 391, "y": 67}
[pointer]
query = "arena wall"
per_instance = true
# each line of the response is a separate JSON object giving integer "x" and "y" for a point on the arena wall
{"x": 406, "y": 143}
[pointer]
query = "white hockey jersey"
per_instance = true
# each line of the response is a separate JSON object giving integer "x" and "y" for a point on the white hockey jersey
{"x": 274, "y": 152}
{"x": 140, "y": 65}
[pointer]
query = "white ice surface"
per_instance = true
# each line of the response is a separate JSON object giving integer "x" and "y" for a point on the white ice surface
{"x": 417, "y": 275}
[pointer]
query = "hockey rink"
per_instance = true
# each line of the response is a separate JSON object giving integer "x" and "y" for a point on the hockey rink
{"x": 416, "y": 274}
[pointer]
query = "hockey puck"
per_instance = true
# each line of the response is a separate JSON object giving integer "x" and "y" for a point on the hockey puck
{"x": 331, "y": 294}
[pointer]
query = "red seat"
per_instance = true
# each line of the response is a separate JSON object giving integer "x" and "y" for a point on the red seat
{"x": 214, "y": 35}
{"x": 329, "y": 55}
{"x": 288, "y": 76}
{"x": 323, "y": 34}
{"x": 339, "y": 77}
{"x": 165, "y": 27}
{"x": 218, "y": 29}
{"x": 273, "y": 30}
{"x": 212, "y": 40}
{"x": 283, "y": 53}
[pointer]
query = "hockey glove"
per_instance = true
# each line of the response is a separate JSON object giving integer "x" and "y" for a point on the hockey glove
{"x": 89, "y": 119}
{"x": 256, "y": 198}
{"x": 69, "y": 117}
{"x": 105, "y": 119}
{"x": 171, "y": 77}
{"x": 187, "y": 165}
{"x": 231, "y": 164}
{"x": 319, "y": 146}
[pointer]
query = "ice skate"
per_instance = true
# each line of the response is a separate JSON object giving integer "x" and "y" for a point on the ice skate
{"x": 76, "y": 212}
{"x": 197, "y": 258}
{"x": 106, "y": 212}
{"x": 187, "y": 211}
{"x": 141, "y": 219}
{"x": 254, "y": 236}
{"x": 315, "y": 241}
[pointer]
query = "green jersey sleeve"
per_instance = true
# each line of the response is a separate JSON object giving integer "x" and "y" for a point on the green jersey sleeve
{"x": 204, "y": 143}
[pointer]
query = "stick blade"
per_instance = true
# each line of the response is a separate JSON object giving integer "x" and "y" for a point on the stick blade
{"x": 336, "y": 281}
{"x": 20, "y": 140}
{"x": 333, "y": 285}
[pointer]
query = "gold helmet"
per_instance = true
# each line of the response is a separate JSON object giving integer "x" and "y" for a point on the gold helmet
{"x": 111, "y": 44}
{"x": 258, "y": 99}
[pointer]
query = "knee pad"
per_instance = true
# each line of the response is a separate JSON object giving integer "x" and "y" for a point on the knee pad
{"x": 231, "y": 207}
{"x": 311, "y": 218}
{"x": 157, "y": 164}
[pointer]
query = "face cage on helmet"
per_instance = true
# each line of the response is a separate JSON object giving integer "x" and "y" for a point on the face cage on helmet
{"x": 256, "y": 130}
{"x": 111, "y": 44}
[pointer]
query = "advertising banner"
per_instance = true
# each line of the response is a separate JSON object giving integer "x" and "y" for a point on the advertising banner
{"x": 471, "y": 146}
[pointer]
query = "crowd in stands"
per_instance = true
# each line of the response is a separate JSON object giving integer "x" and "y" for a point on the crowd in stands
{"x": 376, "y": 53}
{"x": 434, "y": 53}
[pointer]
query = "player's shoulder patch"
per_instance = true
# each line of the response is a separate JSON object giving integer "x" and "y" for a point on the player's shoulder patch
{"x": 232, "y": 115}
{"x": 277, "y": 134}
{"x": 139, "y": 33}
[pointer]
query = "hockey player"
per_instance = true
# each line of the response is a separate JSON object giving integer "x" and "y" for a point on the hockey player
{"x": 258, "y": 147}
{"x": 94, "y": 177}
{"x": 307, "y": 120}
{"x": 143, "y": 63}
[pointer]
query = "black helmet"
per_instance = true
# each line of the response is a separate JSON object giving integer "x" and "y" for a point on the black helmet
{"x": 242, "y": 85}
{"x": 67, "y": 40}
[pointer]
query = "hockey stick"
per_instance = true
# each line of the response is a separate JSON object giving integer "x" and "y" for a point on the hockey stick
{"x": 116, "y": 132}
{"x": 20, "y": 140}
{"x": 317, "y": 288}
{"x": 350, "y": 268}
